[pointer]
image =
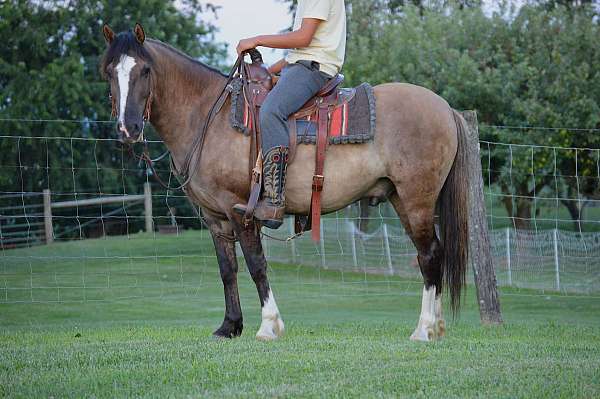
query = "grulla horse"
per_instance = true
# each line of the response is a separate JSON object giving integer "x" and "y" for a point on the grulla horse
{"x": 417, "y": 161}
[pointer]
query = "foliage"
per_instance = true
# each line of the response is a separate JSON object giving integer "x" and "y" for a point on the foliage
{"x": 49, "y": 70}
{"x": 537, "y": 66}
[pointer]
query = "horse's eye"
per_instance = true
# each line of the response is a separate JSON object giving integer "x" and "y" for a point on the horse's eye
{"x": 109, "y": 74}
{"x": 145, "y": 72}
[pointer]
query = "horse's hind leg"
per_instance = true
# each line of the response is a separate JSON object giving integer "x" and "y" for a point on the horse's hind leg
{"x": 271, "y": 326}
{"x": 418, "y": 220}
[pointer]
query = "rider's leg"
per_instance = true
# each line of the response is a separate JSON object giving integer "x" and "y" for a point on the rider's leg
{"x": 298, "y": 83}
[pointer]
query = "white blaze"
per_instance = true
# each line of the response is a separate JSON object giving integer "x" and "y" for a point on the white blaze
{"x": 124, "y": 68}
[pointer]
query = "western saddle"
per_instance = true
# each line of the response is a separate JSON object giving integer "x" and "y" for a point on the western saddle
{"x": 257, "y": 83}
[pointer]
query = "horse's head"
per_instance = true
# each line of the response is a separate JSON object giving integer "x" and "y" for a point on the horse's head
{"x": 127, "y": 65}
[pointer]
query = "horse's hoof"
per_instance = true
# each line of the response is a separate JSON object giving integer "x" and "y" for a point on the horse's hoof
{"x": 440, "y": 328}
{"x": 270, "y": 330}
{"x": 423, "y": 335}
{"x": 229, "y": 330}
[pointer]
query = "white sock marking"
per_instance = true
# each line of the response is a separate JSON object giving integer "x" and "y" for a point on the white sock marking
{"x": 427, "y": 318}
{"x": 271, "y": 326}
{"x": 124, "y": 68}
{"x": 270, "y": 310}
{"x": 438, "y": 308}
{"x": 428, "y": 305}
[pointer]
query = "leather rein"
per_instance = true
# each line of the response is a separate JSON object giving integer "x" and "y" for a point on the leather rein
{"x": 191, "y": 162}
{"x": 192, "y": 159}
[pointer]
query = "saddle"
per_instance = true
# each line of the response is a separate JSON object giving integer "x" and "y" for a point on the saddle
{"x": 317, "y": 113}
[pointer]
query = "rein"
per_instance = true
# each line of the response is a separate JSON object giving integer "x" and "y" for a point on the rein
{"x": 189, "y": 168}
{"x": 192, "y": 159}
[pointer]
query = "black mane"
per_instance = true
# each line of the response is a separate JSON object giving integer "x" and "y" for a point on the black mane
{"x": 125, "y": 43}
{"x": 187, "y": 57}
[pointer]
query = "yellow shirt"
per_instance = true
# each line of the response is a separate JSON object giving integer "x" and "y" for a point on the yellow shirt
{"x": 328, "y": 46}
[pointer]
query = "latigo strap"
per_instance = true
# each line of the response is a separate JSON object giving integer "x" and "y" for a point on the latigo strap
{"x": 318, "y": 178}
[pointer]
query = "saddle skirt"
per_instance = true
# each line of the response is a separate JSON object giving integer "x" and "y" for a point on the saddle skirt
{"x": 351, "y": 116}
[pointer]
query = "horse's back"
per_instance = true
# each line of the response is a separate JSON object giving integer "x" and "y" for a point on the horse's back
{"x": 415, "y": 127}
{"x": 406, "y": 106}
{"x": 415, "y": 133}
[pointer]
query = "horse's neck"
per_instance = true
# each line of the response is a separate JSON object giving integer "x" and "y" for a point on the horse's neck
{"x": 184, "y": 92}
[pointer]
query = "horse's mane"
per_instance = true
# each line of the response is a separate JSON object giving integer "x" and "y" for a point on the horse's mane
{"x": 185, "y": 56}
{"x": 126, "y": 43}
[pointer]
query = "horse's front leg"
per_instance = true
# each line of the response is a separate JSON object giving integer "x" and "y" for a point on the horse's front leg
{"x": 271, "y": 326}
{"x": 225, "y": 249}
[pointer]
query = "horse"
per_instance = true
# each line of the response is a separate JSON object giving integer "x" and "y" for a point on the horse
{"x": 417, "y": 161}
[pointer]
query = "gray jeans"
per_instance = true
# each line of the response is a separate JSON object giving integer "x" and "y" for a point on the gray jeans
{"x": 298, "y": 83}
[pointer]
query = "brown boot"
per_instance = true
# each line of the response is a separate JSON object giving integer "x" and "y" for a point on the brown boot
{"x": 271, "y": 208}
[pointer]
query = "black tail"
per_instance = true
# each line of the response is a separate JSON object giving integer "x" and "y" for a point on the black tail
{"x": 454, "y": 219}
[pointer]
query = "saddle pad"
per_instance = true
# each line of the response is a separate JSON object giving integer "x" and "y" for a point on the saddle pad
{"x": 351, "y": 122}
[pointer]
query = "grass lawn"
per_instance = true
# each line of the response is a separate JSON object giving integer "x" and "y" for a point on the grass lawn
{"x": 67, "y": 329}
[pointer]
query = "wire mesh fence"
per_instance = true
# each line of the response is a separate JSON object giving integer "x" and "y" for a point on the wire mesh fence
{"x": 550, "y": 260}
{"x": 542, "y": 201}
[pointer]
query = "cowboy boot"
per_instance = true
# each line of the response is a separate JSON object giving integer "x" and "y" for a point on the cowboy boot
{"x": 271, "y": 208}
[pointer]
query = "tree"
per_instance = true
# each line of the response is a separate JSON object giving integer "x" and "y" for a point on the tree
{"x": 49, "y": 57}
{"x": 533, "y": 68}
{"x": 49, "y": 70}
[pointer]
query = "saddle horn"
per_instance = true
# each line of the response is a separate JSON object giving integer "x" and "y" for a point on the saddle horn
{"x": 255, "y": 56}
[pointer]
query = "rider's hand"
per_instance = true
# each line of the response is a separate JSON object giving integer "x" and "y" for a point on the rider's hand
{"x": 246, "y": 44}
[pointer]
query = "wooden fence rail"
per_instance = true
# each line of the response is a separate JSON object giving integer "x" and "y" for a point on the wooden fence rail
{"x": 49, "y": 205}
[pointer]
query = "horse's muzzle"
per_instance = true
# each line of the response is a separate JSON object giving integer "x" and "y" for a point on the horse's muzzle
{"x": 131, "y": 133}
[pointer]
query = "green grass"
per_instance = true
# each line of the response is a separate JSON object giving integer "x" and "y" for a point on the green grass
{"x": 346, "y": 333}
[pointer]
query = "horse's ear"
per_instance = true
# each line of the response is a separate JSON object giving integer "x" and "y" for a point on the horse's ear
{"x": 140, "y": 35}
{"x": 109, "y": 35}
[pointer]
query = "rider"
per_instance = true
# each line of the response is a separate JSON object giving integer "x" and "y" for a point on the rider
{"x": 317, "y": 46}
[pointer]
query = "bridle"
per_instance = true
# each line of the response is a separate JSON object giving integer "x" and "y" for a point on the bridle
{"x": 145, "y": 117}
{"x": 192, "y": 159}
{"x": 193, "y": 156}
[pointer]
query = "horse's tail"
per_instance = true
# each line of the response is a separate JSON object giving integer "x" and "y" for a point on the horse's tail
{"x": 454, "y": 219}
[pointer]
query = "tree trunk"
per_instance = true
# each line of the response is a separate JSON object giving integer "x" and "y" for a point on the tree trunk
{"x": 574, "y": 212}
{"x": 523, "y": 217}
{"x": 479, "y": 242}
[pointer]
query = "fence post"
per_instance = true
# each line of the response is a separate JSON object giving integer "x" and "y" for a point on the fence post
{"x": 479, "y": 240}
{"x": 148, "y": 207}
{"x": 353, "y": 242}
{"x": 322, "y": 245}
{"x": 292, "y": 242}
{"x": 388, "y": 254}
{"x": 508, "y": 257}
{"x": 48, "y": 217}
{"x": 556, "y": 263}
